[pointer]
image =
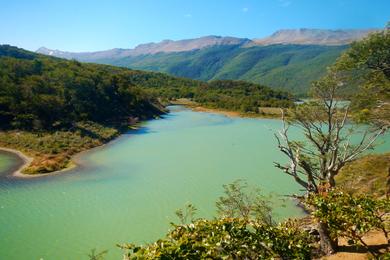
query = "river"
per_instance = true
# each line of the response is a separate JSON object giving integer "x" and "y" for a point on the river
{"x": 129, "y": 189}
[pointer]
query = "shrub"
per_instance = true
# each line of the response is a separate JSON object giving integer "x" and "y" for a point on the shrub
{"x": 350, "y": 216}
{"x": 227, "y": 238}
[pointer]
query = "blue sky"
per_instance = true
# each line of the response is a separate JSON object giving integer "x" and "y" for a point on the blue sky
{"x": 90, "y": 25}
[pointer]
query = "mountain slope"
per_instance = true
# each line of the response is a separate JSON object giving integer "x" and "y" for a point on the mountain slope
{"x": 166, "y": 46}
{"x": 288, "y": 59}
{"x": 288, "y": 67}
{"x": 314, "y": 36}
{"x": 38, "y": 91}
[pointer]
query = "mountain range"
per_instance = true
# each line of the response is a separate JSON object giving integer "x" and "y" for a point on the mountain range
{"x": 288, "y": 59}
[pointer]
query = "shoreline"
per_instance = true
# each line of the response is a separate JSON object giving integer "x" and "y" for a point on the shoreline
{"x": 74, "y": 161}
{"x": 27, "y": 161}
{"x": 194, "y": 106}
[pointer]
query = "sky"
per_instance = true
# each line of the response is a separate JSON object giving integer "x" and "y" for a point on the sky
{"x": 91, "y": 25}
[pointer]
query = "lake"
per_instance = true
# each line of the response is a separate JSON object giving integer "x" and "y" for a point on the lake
{"x": 129, "y": 189}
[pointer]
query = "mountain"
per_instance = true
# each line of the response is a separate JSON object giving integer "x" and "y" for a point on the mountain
{"x": 287, "y": 60}
{"x": 165, "y": 46}
{"x": 314, "y": 36}
{"x": 168, "y": 46}
{"x": 287, "y": 67}
{"x": 41, "y": 90}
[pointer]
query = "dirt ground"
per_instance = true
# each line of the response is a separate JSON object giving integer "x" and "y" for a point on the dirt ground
{"x": 374, "y": 239}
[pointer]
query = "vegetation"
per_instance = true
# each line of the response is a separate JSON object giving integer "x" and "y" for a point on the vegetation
{"x": 240, "y": 96}
{"x": 40, "y": 92}
{"x": 367, "y": 175}
{"x": 288, "y": 67}
{"x": 244, "y": 202}
{"x": 351, "y": 217}
{"x": 240, "y": 233}
{"x": 226, "y": 238}
{"x": 243, "y": 230}
{"x": 52, "y": 150}
{"x": 328, "y": 144}
{"x": 366, "y": 64}
{"x": 93, "y": 255}
{"x": 53, "y": 108}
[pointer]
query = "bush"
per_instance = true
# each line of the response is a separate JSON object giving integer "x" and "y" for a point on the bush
{"x": 227, "y": 238}
{"x": 350, "y": 216}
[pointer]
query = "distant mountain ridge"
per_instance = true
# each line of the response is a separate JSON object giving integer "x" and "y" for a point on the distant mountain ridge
{"x": 165, "y": 46}
{"x": 288, "y": 59}
{"x": 286, "y": 36}
{"x": 314, "y": 36}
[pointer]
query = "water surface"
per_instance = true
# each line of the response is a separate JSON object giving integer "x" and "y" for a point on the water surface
{"x": 128, "y": 190}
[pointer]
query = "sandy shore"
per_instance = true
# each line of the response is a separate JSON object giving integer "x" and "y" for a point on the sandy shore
{"x": 26, "y": 162}
{"x": 268, "y": 112}
{"x": 272, "y": 113}
{"x": 217, "y": 111}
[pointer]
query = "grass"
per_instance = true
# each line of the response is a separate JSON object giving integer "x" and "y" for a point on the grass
{"x": 264, "y": 112}
{"x": 367, "y": 175}
{"x": 52, "y": 150}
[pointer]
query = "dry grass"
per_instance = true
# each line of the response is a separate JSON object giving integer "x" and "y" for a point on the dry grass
{"x": 368, "y": 175}
{"x": 52, "y": 151}
{"x": 264, "y": 112}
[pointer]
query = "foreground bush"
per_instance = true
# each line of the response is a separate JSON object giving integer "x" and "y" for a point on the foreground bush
{"x": 350, "y": 216}
{"x": 227, "y": 238}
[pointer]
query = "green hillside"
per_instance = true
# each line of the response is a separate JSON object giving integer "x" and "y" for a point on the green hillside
{"x": 39, "y": 91}
{"x": 42, "y": 92}
{"x": 287, "y": 67}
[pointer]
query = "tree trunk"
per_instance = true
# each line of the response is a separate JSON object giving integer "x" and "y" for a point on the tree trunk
{"x": 328, "y": 245}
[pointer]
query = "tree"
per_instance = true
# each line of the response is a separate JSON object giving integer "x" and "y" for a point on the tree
{"x": 351, "y": 216}
{"x": 330, "y": 141}
{"x": 367, "y": 65}
{"x": 244, "y": 202}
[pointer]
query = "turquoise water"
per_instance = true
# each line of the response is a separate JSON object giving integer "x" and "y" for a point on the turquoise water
{"x": 128, "y": 190}
{"x": 8, "y": 161}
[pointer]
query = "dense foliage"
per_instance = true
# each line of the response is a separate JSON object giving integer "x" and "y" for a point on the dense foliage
{"x": 227, "y": 238}
{"x": 42, "y": 93}
{"x": 287, "y": 67}
{"x": 366, "y": 64}
{"x": 53, "y": 108}
{"x": 350, "y": 216}
{"x": 241, "y": 96}
{"x": 330, "y": 142}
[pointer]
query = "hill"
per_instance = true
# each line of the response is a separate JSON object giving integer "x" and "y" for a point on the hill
{"x": 314, "y": 36}
{"x": 286, "y": 67}
{"x": 52, "y": 108}
{"x": 288, "y": 59}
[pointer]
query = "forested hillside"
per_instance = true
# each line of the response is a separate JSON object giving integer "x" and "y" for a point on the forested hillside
{"x": 38, "y": 91}
{"x": 288, "y": 67}
{"x": 52, "y": 108}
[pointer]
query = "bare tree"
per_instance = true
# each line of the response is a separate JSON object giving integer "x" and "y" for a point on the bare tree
{"x": 330, "y": 142}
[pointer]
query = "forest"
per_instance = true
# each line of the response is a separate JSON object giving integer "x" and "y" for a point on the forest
{"x": 41, "y": 92}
